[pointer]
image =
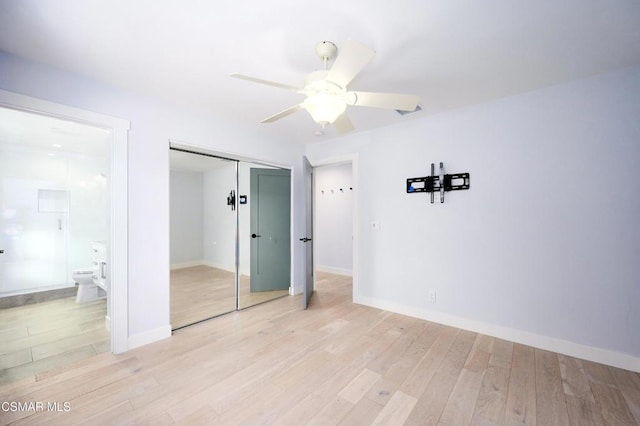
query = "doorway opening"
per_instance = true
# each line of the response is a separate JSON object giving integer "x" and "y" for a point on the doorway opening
{"x": 55, "y": 179}
{"x": 230, "y": 241}
{"x": 334, "y": 218}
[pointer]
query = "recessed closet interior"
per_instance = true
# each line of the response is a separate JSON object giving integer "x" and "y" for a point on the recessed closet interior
{"x": 230, "y": 235}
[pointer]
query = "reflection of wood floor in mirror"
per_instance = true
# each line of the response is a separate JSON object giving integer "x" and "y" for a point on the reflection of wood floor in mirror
{"x": 201, "y": 292}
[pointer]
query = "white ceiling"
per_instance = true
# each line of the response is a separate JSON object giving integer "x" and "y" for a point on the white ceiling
{"x": 451, "y": 53}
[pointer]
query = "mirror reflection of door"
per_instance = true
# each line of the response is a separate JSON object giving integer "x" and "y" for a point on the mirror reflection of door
{"x": 202, "y": 237}
{"x": 265, "y": 234}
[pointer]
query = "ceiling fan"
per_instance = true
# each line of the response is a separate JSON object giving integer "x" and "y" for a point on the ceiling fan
{"x": 326, "y": 91}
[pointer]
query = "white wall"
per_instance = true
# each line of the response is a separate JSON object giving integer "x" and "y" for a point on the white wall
{"x": 185, "y": 212}
{"x": 220, "y": 220}
{"x": 153, "y": 124}
{"x": 333, "y": 233}
{"x": 544, "y": 246}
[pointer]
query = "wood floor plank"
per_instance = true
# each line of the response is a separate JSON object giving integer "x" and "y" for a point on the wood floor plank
{"x": 359, "y": 386}
{"x": 492, "y": 398}
{"x": 434, "y": 398}
{"x": 396, "y": 411}
{"x": 364, "y": 413}
{"x": 574, "y": 379}
{"x": 612, "y": 405}
{"x": 332, "y": 413}
{"x": 629, "y": 384}
{"x": 423, "y": 372}
{"x": 463, "y": 398}
{"x": 551, "y": 408}
{"x": 583, "y": 412}
{"x": 521, "y": 398}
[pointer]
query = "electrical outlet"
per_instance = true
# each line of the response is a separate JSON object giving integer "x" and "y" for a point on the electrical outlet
{"x": 432, "y": 296}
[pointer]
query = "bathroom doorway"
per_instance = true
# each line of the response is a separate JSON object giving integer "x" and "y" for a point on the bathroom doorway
{"x": 54, "y": 233}
{"x": 214, "y": 229}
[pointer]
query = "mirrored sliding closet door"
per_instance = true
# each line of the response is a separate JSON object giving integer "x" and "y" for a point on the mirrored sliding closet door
{"x": 230, "y": 233}
{"x": 203, "y": 225}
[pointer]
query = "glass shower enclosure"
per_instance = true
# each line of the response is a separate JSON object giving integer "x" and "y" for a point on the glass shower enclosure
{"x": 53, "y": 200}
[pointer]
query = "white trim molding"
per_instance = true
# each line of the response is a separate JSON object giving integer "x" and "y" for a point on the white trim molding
{"x": 333, "y": 270}
{"x": 118, "y": 205}
{"x": 150, "y": 336}
{"x": 182, "y": 265}
{"x": 565, "y": 347}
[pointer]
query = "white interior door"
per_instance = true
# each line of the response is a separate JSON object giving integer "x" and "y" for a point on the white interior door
{"x": 307, "y": 239}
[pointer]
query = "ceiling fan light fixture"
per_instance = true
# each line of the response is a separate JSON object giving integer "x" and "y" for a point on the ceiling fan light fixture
{"x": 324, "y": 107}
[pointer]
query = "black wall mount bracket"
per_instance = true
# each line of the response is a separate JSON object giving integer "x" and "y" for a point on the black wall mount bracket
{"x": 438, "y": 183}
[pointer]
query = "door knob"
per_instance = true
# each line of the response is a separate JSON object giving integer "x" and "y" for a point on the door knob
{"x": 255, "y": 235}
{"x": 305, "y": 239}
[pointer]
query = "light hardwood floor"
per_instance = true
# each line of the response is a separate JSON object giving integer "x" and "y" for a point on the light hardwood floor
{"x": 335, "y": 363}
{"x": 42, "y": 336}
{"x": 202, "y": 292}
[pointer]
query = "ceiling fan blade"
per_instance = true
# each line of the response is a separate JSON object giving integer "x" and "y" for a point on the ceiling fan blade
{"x": 282, "y": 114}
{"x": 261, "y": 81}
{"x": 352, "y": 58}
{"x": 383, "y": 100}
{"x": 343, "y": 123}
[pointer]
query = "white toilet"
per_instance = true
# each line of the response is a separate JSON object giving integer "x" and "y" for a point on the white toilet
{"x": 88, "y": 291}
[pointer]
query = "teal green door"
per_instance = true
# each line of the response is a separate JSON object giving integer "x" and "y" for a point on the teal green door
{"x": 270, "y": 192}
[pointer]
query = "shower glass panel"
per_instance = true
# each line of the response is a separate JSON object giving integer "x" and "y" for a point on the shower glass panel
{"x": 202, "y": 237}
{"x": 53, "y": 201}
{"x": 34, "y": 221}
{"x": 265, "y": 233}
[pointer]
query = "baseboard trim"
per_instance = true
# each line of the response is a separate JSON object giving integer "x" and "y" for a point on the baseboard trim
{"x": 565, "y": 347}
{"x": 228, "y": 268}
{"x": 332, "y": 270}
{"x": 183, "y": 265}
{"x": 150, "y": 336}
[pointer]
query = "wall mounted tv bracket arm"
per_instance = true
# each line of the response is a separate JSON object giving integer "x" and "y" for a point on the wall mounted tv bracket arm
{"x": 231, "y": 199}
{"x": 438, "y": 183}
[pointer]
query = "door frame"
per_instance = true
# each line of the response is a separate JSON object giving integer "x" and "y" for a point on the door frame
{"x": 334, "y": 161}
{"x": 118, "y": 201}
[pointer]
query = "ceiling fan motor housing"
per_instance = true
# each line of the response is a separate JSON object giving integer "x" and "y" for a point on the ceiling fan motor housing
{"x": 326, "y": 50}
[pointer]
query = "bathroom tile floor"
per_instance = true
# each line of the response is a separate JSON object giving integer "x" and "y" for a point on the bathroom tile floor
{"x": 43, "y": 336}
